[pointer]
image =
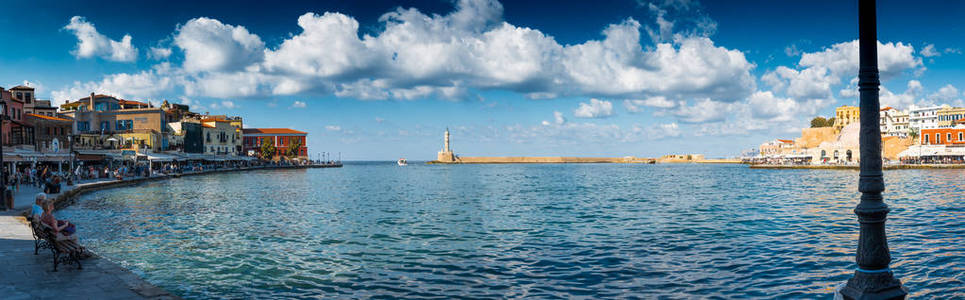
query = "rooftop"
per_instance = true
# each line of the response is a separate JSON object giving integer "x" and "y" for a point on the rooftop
{"x": 214, "y": 120}
{"x": 48, "y": 117}
{"x": 272, "y": 131}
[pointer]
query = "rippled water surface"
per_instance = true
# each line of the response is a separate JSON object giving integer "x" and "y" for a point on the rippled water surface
{"x": 522, "y": 231}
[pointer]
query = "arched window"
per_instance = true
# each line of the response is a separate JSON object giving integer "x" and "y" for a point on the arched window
{"x": 824, "y": 153}
{"x": 848, "y": 155}
{"x": 835, "y": 154}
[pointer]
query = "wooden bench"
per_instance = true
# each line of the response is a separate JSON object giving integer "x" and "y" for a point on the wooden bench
{"x": 64, "y": 251}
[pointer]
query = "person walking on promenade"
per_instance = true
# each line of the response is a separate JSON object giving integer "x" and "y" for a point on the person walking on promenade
{"x": 32, "y": 174}
{"x": 16, "y": 180}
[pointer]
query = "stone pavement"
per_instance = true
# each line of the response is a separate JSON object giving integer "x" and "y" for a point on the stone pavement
{"x": 24, "y": 275}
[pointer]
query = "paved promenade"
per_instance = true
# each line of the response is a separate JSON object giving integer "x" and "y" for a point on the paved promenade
{"x": 24, "y": 275}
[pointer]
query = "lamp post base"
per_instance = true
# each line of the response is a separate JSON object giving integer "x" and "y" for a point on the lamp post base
{"x": 881, "y": 285}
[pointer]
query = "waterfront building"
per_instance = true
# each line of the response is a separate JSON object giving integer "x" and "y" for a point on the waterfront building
{"x": 282, "y": 138}
{"x": 845, "y": 115}
{"x": 51, "y": 132}
{"x": 15, "y": 131}
{"x": 102, "y": 121}
{"x": 844, "y": 149}
{"x": 943, "y": 136}
{"x": 186, "y": 136}
{"x": 778, "y": 147}
{"x": 923, "y": 117}
{"x": 948, "y": 115}
{"x": 445, "y": 155}
{"x": 31, "y": 104}
{"x": 238, "y": 123}
{"x": 893, "y": 122}
{"x": 219, "y": 136}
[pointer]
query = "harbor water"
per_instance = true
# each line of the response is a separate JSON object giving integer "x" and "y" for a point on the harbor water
{"x": 522, "y": 231}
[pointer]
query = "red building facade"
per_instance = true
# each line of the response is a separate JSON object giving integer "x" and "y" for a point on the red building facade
{"x": 943, "y": 136}
{"x": 15, "y": 132}
{"x": 281, "y": 137}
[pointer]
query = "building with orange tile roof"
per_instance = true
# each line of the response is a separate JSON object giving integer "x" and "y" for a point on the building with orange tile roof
{"x": 282, "y": 138}
{"x": 220, "y": 136}
{"x": 102, "y": 121}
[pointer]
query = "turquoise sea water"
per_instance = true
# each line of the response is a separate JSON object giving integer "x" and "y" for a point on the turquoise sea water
{"x": 522, "y": 231}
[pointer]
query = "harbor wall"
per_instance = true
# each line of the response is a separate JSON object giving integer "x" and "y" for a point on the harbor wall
{"x": 543, "y": 160}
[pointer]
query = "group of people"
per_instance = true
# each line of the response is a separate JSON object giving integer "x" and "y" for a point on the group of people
{"x": 42, "y": 177}
{"x": 37, "y": 176}
{"x": 90, "y": 172}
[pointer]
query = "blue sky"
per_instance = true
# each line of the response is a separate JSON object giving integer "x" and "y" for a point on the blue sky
{"x": 383, "y": 79}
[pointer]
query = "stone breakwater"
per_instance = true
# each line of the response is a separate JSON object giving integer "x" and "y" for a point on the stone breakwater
{"x": 575, "y": 160}
{"x": 24, "y": 275}
{"x": 543, "y": 160}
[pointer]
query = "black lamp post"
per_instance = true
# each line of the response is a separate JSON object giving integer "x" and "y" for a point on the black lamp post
{"x": 872, "y": 279}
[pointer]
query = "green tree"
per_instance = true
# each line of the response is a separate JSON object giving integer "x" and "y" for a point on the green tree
{"x": 830, "y": 122}
{"x": 267, "y": 149}
{"x": 913, "y": 134}
{"x": 819, "y": 122}
{"x": 294, "y": 148}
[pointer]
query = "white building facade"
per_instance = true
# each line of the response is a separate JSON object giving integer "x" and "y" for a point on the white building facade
{"x": 894, "y": 122}
{"x": 923, "y": 117}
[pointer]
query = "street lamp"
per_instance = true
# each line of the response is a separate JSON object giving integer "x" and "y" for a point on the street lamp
{"x": 872, "y": 279}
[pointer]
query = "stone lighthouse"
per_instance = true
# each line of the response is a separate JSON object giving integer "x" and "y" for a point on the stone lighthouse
{"x": 446, "y": 154}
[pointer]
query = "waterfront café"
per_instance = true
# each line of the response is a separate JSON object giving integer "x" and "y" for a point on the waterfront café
{"x": 17, "y": 158}
{"x": 780, "y": 159}
{"x": 933, "y": 154}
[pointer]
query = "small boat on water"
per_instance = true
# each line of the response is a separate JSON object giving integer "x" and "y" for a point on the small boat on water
{"x": 402, "y": 162}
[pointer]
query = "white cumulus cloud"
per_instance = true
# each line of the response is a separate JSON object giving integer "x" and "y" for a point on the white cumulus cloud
{"x": 144, "y": 85}
{"x": 210, "y": 45}
{"x": 159, "y": 53}
{"x": 91, "y": 43}
{"x": 298, "y": 104}
{"x": 595, "y": 109}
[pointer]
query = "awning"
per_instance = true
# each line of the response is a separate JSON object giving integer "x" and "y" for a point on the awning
{"x": 153, "y": 157}
{"x": 91, "y": 157}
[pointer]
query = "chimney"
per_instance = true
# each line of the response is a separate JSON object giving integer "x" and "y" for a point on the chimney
{"x": 90, "y": 105}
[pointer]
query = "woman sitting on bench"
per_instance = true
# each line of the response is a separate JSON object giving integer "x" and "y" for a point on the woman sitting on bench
{"x": 63, "y": 230}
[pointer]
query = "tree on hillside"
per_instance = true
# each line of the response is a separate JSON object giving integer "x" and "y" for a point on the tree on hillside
{"x": 294, "y": 148}
{"x": 819, "y": 122}
{"x": 267, "y": 149}
{"x": 830, "y": 122}
{"x": 913, "y": 134}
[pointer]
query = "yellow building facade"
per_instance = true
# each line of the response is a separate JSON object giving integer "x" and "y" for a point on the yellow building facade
{"x": 948, "y": 115}
{"x": 844, "y": 115}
